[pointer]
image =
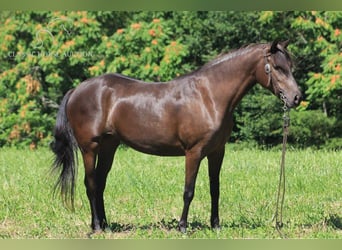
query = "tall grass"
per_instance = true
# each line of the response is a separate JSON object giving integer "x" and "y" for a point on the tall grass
{"x": 143, "y": 197}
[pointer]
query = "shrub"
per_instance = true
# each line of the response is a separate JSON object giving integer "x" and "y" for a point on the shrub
{"x": 310, "y": 128}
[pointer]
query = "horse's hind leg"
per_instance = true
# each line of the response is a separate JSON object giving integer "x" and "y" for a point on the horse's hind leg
{"x": 95, "y": 179}
{"x": 104, "y": 164}
{"x": 89, "y": 159}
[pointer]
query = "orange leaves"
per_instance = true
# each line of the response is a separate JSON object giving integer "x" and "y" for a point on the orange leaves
{"x": 120, "y": 31}
{"x": 333, "y": 80}
{"x": 174, "y": 48}
{"x": 84, "y": 20}
{"x": 68, "y": 45}
{"x": 317, "y": 75}
{"x": 304, "y": 104}
{"x": 98, "y": 68}
{"x": 9, "y": 38}
{"x": 15, "y": 133}
{"x": 93, "y": 69}
{"x": 320, "y": 22}
{"x": 136, "y": 26}
{"x": 32, "y": 85}
{"x": 320, "y": 39}
{"x": 173, "y": 43}
{"x": 152, "y": 32}
{"x": 102, "y": 63}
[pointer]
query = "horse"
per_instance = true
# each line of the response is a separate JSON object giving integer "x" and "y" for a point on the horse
{"x": 191, "y": 116}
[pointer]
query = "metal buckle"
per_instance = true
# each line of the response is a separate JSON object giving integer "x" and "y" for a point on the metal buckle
{"x": 267, "y": 68}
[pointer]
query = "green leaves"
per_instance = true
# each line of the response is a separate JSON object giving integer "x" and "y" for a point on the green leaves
{"x": 43, "y": 54}
{"x": 145, "y": 50}
{"x": 324, "y": 38}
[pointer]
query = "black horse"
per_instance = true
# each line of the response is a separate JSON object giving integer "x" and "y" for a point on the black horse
{"x": 191, "y": 115}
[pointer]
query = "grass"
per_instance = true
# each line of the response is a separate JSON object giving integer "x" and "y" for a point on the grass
{"x": 143, "y": 197}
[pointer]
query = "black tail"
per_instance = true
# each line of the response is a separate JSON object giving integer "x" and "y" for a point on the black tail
{"x": 65, "y": 148}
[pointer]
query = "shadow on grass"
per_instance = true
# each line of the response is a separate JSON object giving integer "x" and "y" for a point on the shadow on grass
{"x": 166, "y": 225}
{"x": 170, "y": 225}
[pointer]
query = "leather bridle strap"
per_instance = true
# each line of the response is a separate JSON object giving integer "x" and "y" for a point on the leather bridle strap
{"x": 268, "y": 69}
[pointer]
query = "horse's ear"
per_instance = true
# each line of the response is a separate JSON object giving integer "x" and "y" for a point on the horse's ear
{"x": 274, "y": 47}
{"x": 284, "y": 43}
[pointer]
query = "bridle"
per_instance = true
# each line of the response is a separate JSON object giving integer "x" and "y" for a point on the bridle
{"x": 278, "y": 216}
{"x": 268, "y": 69}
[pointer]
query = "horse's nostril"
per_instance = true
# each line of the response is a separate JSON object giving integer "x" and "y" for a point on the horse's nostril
{"x": 297, "y": 99}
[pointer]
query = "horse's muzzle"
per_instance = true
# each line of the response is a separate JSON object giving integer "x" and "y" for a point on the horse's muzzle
{"x": 295, "y": 100}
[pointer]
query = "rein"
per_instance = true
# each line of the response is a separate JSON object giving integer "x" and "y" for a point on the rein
{"x": 278, "y": 216}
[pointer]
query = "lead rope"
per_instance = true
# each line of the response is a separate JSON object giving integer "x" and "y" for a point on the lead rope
{"x": 278, "y": 216}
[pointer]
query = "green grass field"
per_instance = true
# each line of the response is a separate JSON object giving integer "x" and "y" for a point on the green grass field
{"x": 143, "y": 197}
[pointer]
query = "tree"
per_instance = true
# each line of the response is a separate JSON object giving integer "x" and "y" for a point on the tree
{"x": 43, "y": 54}
{"x": 144, "y": 50}
{"x": 324, "y": 38}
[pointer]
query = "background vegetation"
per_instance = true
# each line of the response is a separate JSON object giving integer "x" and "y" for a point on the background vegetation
{"x": 43, "y": 54}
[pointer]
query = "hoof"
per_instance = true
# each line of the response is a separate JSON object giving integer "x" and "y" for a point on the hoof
{"x": 182, "y": 227}
{"x": 216, "y": 228}
{"x": 182, "y": 230}
{"x": 95, "y": 233}
{"x": 215, "y": 224}
{"x": 97, "y": 230}
{"x": 107, "y": 229}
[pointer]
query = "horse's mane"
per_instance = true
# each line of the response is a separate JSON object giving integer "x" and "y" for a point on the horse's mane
{"x": 226, "y": 56}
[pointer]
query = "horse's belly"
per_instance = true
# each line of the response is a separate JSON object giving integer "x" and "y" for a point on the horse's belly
{"x": 146, "y": 129}
{"x": 154, "y": 148}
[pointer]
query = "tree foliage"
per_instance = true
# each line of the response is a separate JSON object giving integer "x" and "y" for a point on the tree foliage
{"x": 324, "y": 43}
{"x": 43, "y": 54}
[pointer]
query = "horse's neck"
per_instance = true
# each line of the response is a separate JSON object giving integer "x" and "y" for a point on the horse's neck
{"x": 231, "y": 79}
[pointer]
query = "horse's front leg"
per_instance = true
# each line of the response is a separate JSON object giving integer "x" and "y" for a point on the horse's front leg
{"x": 192, "y": 163}
{"x": 215, "y": 161}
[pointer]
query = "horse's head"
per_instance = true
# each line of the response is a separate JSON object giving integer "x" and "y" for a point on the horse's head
{"x": 276, "y": 74}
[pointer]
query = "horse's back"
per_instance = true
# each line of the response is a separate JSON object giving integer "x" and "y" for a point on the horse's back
{"x": 92, "y": 91}
{"x": 124, "y": 107}
{"x": 109, "y": 80}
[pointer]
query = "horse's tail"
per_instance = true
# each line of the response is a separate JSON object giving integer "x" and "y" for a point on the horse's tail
{"x": 65, "y": 148}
